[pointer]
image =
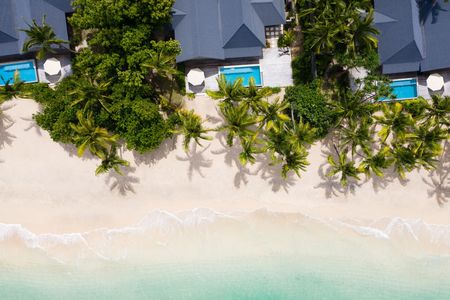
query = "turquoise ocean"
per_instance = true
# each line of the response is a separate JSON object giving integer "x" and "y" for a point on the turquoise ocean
{"x": 202, "y": 254}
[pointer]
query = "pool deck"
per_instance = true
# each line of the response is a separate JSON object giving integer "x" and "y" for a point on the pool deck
{"x": 275, "y": 68}
{"x": 423, "y": 91}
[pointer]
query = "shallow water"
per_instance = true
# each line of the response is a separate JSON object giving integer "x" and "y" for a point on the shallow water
{"x": 202, "y": 254}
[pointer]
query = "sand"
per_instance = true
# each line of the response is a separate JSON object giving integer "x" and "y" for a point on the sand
{"x": 45, "y": 187}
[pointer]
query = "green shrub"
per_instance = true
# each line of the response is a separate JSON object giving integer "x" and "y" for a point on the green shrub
{"x": 286, "y": 39}
{"x": 57, "y": 112}
{"x": 309, "y": 104}
{"x": 140, "y": 124}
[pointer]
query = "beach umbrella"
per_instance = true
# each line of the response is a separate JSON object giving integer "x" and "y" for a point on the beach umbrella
{"x": 196, "y": 76}
{"x": 52, "y": 66}
{"x": 435, "y": 82}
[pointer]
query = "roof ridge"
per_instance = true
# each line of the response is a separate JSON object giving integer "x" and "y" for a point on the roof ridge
{"x": 256, "y": 2}
{"x": 9, "y": 36}
{"x": 244, "y": 25}
{"x": 403, "y": 48}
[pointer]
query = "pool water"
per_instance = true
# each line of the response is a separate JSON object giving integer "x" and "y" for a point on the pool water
{"x": 404, "y": 89}
{"x": 244, "y": 72}
{"x": 27, "y": 71}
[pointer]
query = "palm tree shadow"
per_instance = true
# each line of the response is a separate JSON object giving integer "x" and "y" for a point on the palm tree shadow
{"x": 427, "y": 8}
{"x": 197, "y": 161}
{"x": 439, "y": 179}
{"x": 6, "y": 122}
{"x": 381, "y": 183}
{"x": 32, "y": 125}
{"x": 153, "y": 157}
{"x": 124, "y": 184}
{"x": 331, "y": 185}
{"x": 213, "y": 119}
{"x": 231, "y": 158}
{"x": 73, "y": 151}
{"x": 272, "y": 174}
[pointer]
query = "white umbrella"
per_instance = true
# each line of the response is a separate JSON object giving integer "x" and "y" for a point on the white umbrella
{"x": 435, "y": 82}
{"x": 52, "y": 66}
{"x": 196, "y": 76}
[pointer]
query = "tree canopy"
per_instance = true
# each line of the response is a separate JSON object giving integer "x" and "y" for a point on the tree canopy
{"x": 119, "y": 80}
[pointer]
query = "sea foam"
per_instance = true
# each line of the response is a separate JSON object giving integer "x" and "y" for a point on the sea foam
{"x": 162, "y": 229}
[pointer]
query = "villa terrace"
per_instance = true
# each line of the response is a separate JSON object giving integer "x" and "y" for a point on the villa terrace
{"x": 275, "y": 68}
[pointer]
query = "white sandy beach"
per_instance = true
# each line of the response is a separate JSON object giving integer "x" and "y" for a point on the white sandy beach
{"x": 45, "y": 187}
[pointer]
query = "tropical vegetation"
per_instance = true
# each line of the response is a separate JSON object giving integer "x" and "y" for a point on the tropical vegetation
{"x": 126, "y": 91}
{"x": 124, "y": 86}
{"x": 42, "y": 39}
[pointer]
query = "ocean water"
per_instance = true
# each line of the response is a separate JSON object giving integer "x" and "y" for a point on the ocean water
{"x": 202, "y": 254}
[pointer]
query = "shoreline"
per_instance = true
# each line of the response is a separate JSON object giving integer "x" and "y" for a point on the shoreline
{"x": 45, "y": 186}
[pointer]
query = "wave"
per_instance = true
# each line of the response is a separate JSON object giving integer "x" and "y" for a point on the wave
{"x": 161, "y": 233}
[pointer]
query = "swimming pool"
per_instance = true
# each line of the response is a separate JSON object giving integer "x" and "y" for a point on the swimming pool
{"x": 246, "y": 72}
{"x": 404, "y": 89}
{"x": 26, "y": 68}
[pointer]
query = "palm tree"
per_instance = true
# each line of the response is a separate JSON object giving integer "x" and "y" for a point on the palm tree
{"x": 112, "y": 161}
{"x": 249, "y": 150}
{"x": 161, "y": 64}
{"x": 278, "y": 143}
{"x": 303, "y": 134}
{"x": 88, "y": 92}
{"x": 229, "y": 92}
{"x": 253, "y": 95}
{"x": 88, "y": 136}
{"x": 351, "y": 108}
{"x": 273, "y": 116}
{"x": 191, "y": 128}
{"x": 363, "y": 34}
{"x": 10, "y": 91}
{"x": 42, "y": 37}
{"x": 323, "y": 36}
{"x": 237, "y": 122}
{"x": 343, "y": 166}
{"x": 438, "y": 111}
{"x": 428, "y": 138}
{"x": 376, "y": 163}
{"x": 395, "y": 120}
{"x": 357, "y": 135}
{"x": 403, "y": 158}
{"x": 296, "y": 159}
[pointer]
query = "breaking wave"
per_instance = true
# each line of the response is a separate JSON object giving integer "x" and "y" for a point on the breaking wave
{"x": 160, "y": 233}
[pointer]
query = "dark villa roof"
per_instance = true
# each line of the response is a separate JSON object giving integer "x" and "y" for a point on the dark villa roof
{"x": 221, "y": 29}
{"x": 16, "y": 14}
{"x": 415, "y": 35}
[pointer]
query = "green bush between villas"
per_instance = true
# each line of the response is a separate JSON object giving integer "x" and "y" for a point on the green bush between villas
{"x": 113, "y": 69}
{"x": 310, "y": 105}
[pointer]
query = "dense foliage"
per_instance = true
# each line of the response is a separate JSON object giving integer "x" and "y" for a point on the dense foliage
{"x": 311, "y": 106}
{"x": 366, "y": 136}
{"x": 124, "y": 83}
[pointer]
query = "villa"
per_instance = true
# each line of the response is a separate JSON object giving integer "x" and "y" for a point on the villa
{"x": 232, "y": 37}
{"x": 16, "y": 15}
{"x": 414, "y": 46}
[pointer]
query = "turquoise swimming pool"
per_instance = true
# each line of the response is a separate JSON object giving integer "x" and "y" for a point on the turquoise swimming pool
{"x": 245, "y": 72}
{"x": 27, "y": 71}
{"x": 404, "y": 89}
